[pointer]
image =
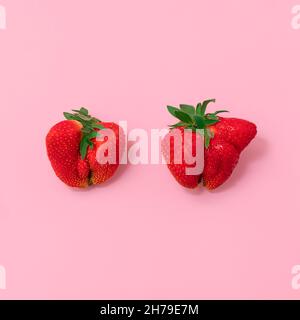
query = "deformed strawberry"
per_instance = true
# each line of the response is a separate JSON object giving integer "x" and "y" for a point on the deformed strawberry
{"x": 224, "y": 139}
{"x": 72, "y": 149}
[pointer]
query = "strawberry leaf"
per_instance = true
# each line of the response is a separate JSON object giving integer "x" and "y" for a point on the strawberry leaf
{"x": 83, "y": 111}
{"x": 205, "y": 104}
{"x": 98, "y": 126}
{"x": 200, "y": 122}
{"x": 172, "y": 110}
{"x": 183, "y": 116}
{"x": 83, "y": 148}
{"x": 92, "y": 135}
{"x": 198, "y": 109}
{"x": 187, "y": 108}
{"x": 85, "y": 130}
{"x": 207, "y": 138}
{"x": 220, "y": 111}
{"x": 206, "y": 141}
{"x": 84, "y": 117}
{"x": 209, "y": 122}
{"x": 211, "y": 116}
{"x": 95, "y": 120}
{"x": 69, "y": 116}
{"x": 178, "y": 124}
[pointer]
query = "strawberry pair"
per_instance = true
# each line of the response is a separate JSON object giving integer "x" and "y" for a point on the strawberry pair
{"x": 81, "y": 159}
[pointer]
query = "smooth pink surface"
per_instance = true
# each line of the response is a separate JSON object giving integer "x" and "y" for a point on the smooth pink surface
{"x": 142, "y": 235}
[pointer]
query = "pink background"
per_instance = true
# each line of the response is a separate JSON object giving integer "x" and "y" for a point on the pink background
{"x": 142, "y": 235}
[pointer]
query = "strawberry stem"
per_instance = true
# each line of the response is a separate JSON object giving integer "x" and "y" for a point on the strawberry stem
{"x": 196, "y": 118}
{"x": 89, "y": 126}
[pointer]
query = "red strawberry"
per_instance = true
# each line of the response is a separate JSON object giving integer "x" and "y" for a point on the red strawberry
{"x": 72, "y": 149}
{"x": 224, "y": 139}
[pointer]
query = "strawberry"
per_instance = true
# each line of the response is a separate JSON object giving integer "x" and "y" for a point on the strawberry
{"x": 72, "y": 149}
{"x": 224, "y": 139}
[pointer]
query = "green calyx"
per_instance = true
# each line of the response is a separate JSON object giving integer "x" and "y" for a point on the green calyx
{"x": 89, "y": 124}
{"x": 194, "y": 118}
